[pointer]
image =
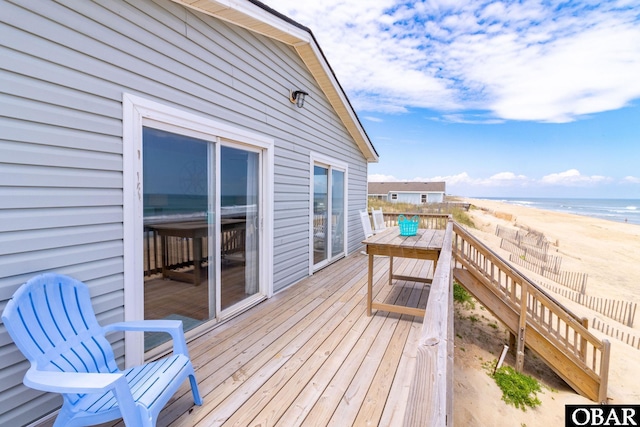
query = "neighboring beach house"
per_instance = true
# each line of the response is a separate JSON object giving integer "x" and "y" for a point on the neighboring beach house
{"x": 157, "y": 139}
{"x": 408, "y": 192}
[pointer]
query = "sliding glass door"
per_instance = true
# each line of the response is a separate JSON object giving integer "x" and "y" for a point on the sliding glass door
{"x": 320, "y": 214}
{"x": 202, "y": 211}
{"x": 329, "y": 210}
{"x": 239, "y": 225}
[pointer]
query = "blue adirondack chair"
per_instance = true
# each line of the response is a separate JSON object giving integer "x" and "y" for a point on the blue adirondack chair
{"x": 51, "y": 320}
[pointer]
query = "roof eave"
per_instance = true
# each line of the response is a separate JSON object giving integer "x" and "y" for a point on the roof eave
{"x": 257, "y": 17}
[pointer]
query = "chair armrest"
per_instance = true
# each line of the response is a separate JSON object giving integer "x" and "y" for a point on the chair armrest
{"x": 145, "y": 326}
{"x": 172, "y": 327}
{"x": 70, "y": 382}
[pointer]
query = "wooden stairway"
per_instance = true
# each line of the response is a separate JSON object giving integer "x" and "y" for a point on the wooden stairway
{"x": 534, "y": 318}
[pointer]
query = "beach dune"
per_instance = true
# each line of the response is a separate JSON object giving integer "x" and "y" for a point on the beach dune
{"x": 609, "y": 253}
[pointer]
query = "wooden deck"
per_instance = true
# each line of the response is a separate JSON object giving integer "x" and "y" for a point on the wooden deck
{"x": 310, "y": 355}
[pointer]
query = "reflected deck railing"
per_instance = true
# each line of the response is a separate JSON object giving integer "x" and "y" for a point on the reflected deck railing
{"x": 179, "y": 250}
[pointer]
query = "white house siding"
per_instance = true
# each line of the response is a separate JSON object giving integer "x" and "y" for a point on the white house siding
{"x": 435, "y": 197}
{"x": 63, "y": 71}
{"x": 416, "y": 198}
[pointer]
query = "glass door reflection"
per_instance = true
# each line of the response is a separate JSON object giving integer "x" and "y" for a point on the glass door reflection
{"x": 329, "y": 206}
{"x": 178, "y": 192}
{"x": 239, "y": 225}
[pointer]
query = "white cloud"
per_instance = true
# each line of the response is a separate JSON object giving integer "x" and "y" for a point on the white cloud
{"x": 631, "y": 180}
{"x": 451, "y": 179}
{"x": 569, "y": 178}
{"x": 474, "y": 119}
{"x": 461, "y": 178}
{"x": 373, "y": 119}
{"x": 382, "y": 178}
{"x": 497, "y": 180}
{"x": 573, "y": 177}
{"x": 506, "y": 178}
{"x": 534, "y": 60}
{"x": 589, "y": 71}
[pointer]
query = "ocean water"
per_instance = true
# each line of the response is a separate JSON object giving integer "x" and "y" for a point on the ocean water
{"x": 620, "y": 210}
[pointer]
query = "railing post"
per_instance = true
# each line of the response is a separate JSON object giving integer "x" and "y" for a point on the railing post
{"x": 583, "y": 342}
{"x": 522, "y": 326}
{"x": 604, "y": 371}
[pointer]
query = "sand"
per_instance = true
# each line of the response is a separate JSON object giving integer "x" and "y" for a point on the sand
{"x": 609, "y": 252}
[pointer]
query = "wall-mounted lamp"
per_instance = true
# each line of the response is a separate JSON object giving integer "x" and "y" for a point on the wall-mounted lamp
{"x": 297, "y": 97}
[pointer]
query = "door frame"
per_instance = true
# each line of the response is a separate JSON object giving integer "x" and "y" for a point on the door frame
{"x": 331, "y": 163}
{"x": 138, "y": 112}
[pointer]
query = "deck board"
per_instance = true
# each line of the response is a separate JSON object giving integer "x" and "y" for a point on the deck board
{"x": 310, "y": 355}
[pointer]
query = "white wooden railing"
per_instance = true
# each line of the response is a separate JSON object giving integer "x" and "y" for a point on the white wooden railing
{"x": 431, "y": 394}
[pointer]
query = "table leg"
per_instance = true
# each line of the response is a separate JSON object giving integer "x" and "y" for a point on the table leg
{"x": 390, "y": 270}
{"x": 435, "y": 263}
{"x": 370, "y": 285}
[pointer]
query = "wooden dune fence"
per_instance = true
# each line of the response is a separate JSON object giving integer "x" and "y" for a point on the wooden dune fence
{"x": 531, "y": 253}
{"x": 533, "y": 259}
{"x": 524, "y": 237}
{"x": 616, "y": 333}
{"x": 571, "y": 279}
{"x": 618, "y": 310}
{"x": 529, "y": 250}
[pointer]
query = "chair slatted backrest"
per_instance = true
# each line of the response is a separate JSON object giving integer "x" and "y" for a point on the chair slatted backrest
{"x": 366, "y": 224}
{"x": 52, "y": 321}
{"x": 378, "y": 220}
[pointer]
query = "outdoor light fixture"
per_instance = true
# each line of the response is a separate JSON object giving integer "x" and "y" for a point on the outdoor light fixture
{"x": 297, "y": 97}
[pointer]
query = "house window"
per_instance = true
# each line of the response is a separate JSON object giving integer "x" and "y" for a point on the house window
{"x": 394, "y": 196}
{"x": 423, "y": 198}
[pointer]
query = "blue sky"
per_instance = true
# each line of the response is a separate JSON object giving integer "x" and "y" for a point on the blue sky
{"x": 498, "y": 99}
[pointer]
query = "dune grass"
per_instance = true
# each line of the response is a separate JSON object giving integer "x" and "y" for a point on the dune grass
{"x": 461, "y": 296}
{"x": 518, "y": 389}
